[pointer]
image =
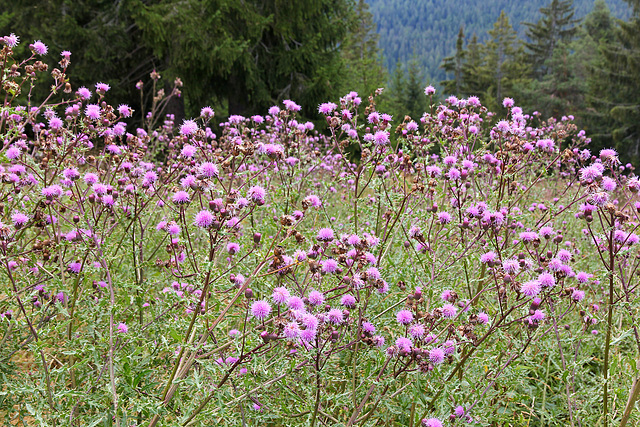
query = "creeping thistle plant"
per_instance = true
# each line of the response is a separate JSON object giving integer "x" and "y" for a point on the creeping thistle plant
{"x": 265, "y": 271}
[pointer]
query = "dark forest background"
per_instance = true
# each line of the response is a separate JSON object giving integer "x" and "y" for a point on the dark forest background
{"x": 558, "y": 57}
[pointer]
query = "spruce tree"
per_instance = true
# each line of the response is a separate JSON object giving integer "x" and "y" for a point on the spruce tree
{"x": 364, "y": 70}
{"x": 453, "y": 65}
{"x": 557, "y": 24}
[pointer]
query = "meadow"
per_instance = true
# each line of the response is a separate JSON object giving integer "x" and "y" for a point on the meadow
{"x": 464, "y": 267}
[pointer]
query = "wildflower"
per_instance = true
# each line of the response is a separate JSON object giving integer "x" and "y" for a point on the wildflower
{"x": 291, "y": 330}
{"x": 329, "y": 265}
{"x": 436, "y": 355}
{"x": 348, "y": 300}
{"x": 374, "y": 117}
{"x": 257, "y": 194}
{"x": 449, "y": 347}
{"x": 327, "y": 108}
{"x": 19, "y": 219}
{"x": 207, "y": 113}
{"x": 125, "y": 110}
{"x": 444, "y": 217}
{"x": 449, "y": 310}
{"x": 188, "y": 151}
{"x": 381, "y": 137}
{"x": 577, "y": 295}
{"x": 260, "y": 309}
{"x": 316, "y": 298}
{"x": 507, "y": 103}
{"x": 123, "y": 328}
{"x": 530, "y": 288}
{"x": 209, "y": 170}
{"x": 83, "y": 92}
{"x": 295, "y": 303}
{"x": 13, "y": 152}
{"x": 404, "y": 317}
{"x": 280, "y": 295}
{"x": 233, "y": 248}
{"x": 74, "y": 267}
{"x": 488, "y": 257}
{"x": 511, "y": 266}
{"x": 483, "y": 318}
{"x": 11, "y": 40}
{"x": 180, "y": 197}
{"x": 92, "y": 111}
{"x": 203, "y": 219}
{"x": 546, "y": 280}
{"x": 429, "y": 90}
{"x": 290, "y": 105}
{"x": 325, "y": 235}
{"x": 335, "y": 316}
{"x": 416, "y": 330}
{"x": 404, "y": 344}
{"x": 188, "y": 127}
{"x": 39, "y": 48}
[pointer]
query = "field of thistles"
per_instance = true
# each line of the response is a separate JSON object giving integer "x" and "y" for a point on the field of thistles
{"x": 459, "y": 268}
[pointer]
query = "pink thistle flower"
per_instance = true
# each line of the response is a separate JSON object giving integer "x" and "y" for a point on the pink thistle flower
{"x": 429, "y": 90}
{"x": 546, "y": 280}
{"x": 188, "y": 151}
{"x": 280, "y": 295}
{"x": 577, "y": 295}
{"x": 488, "y": 257}
{"x": 608, "y": 184}
{"x": 381, "y": 137}
{"x": 125, "y": 110}
{"x": 295, "y": 303}
{"x": 404, "y": 317}
{"x": 209, "y": 170}
{"x": 449, "y": 310}
{"x": 483, "y": 318}
{"x": 374, "y": 117}
{"x": 180, "y": 197}
{"x": 102, "y": 88}
{"x": 444, "y": 217}
{"x": 39, "y": 47}
{"x": 325, "y": 235}
{"x": 432, "y": 422}
{"x": 329, "y": 266}
{"x": 327, "y": 108}
{"x": 13, "y": 152}
{"x": 188, "y": 127}
{"x": 207, "y": 113}
{"x": 348, "y": 300}
{"x": 291, "y": 330}
{"x": 19, "y": 219}
{"x": 436, "y": 355}
{"x": 123, "y": 328}
{"x": 449, "y": 347}
{"x": 291, "y": 106}
{"x": 404, "y": 344}
{"x": 83, "y": 92}
{"x": 204, "y": 219}
{"x": 11, "y": 40}
{"x": 92, "y": 111}
{"x": 233, "y": 248}
{"x": 507, "y": 103}
{"x": 511, "y": 266}
{"x": 257, "y": 194}
{"x": 530, "y": 288}
{"x": 416, "y": 330}
{"x": 260, "y": 309}
{"x": 335, "y": 316}
{"x": 537, "y": 316}
{"x": 316, "y": 298}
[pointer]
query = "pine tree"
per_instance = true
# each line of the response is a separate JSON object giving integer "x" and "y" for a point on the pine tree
{"x": 621, "y": 74}
{"x": 503, "y": 66}
{"x": 454, "y": 65}
{"x": 364, "y": 70}
{"x": 556, "y": 25}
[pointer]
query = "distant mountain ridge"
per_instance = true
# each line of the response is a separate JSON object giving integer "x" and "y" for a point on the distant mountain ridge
{"x": 428, "y": 28}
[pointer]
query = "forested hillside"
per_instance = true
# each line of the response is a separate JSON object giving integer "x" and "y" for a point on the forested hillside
{"x": 428, "y": 28}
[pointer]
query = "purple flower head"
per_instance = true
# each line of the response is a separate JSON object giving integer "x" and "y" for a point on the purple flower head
{"x": 19, "y": 219}
{"x": 280, "y": 295}
{"x": 327, "y": 108}
{"x": 207, "y": 113}
{"x": 381, "y": 137}
{"x": 368, "y": 328}
{"x": 123, "y": 328}
{"x": 188, "y": 151}
{"x": 257, "y": 194}
{"x": 13, "y": 152}
{"x": 208, "y": 169}
{"x": 404, "y": 317}
{"x": 348, "y": 300}
{"x": 530, "y": 288}
{"x": 204, "y": 219}
{"x": 335, "y": 316}
{"x": 233, "y": 248}
{"x": 325, "y": 235}
{"x": 83, "y": 93}
{"x": 404, "y": 344}
{"x": 537, "y": 316}
{"x": 295, "y": 303}
{"x": 416, "y": 330}
{"x": 329, "y": 266}
{"x": 313, "y": 200}
{"x": 577, "y": 295}
{"x": 188, "y": 127}
{"x": 39, "y": 47}
{"x": 291, "y": 330}
{"x": 483, "y": 318}
{"x": 260, "y": 309}
{"x": 449, "y": 347}
{"x": 316, "y": 298}
{"x": 511, "y": 266}
{"x": 546, "y": 280}
{"x": 290, "y": 105}
{"x": 180, "y": 197}
{"x": 11, "y": 40}
{"x": 449, "y": 310}
{"x": 93, "y": 111}
{"x": 436, "y": 355}
{"x": 429, "y": 90}
{"x": 488, "y": 257}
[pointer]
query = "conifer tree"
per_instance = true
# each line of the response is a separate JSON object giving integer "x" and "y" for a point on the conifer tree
{"x": 454, "y": 66}
{"x": 556, "y": 25}
{"x": 364, "y": 70}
